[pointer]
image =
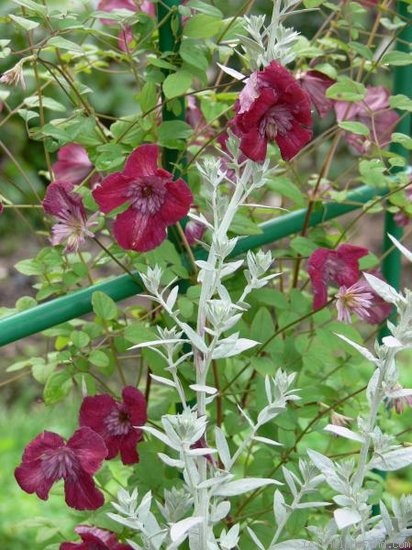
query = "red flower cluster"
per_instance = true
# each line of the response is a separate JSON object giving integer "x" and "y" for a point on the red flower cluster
{"x": 116, "y": 422}
{"x": 272, "y": 107}
{"x": 340, "y": 267}
{"x": 107, "y": 428}
{"x": 155, "y": 200}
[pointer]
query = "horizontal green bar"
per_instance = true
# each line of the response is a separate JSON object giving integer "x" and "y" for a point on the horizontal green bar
{"x": 79, "y": 303}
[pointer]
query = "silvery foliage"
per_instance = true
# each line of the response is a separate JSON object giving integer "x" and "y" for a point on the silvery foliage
{"x": 193, "y": 510}
{"x": 353, "y": 525}
{"x": 273, "y": 42}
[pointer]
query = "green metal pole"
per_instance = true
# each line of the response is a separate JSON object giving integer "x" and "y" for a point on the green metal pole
{"x": 169, "y": 41}
{"x": 392, "y": 261}
{"x": 391, "y": 265}
{"x": 78, "y": 303}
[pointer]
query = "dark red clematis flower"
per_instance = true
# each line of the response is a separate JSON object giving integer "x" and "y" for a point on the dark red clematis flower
{"x": 339, "y": 267}
{"x": 375, "y": 113}
{"x": 95, "y": 539}
{"x": 73, "y": 164}
{"x": 116, "y": 421}
{"x": 49, "y": 458}
{"x": 155, "y": 200}
{"x": 315, "y": 84}
{"x": 67, "y": 207}
{"x": 272, "y": 107}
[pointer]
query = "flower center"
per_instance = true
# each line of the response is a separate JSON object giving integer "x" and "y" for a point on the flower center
{"x": 278, "y": 121}
{"x": 118, "y": 422}
{"x": 59, "y": 463}
{"x": 147, "y": 194}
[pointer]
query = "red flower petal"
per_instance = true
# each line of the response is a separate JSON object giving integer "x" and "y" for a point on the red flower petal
{"x": 90, "y": 449}
{"x": 136, "y": 231}
{"x": 136, "y": 405}
{"x": 339, "y": 267}
{"x": 273, "y": 107}
{"x": 177, "y": 202}
{"x": 31, "y": 479}
{"x": 291, "y": 143}
{"x": 73, "y": 164}
{"x": 254, "y": 145}
{"x": 128, "y": 450}
{"x": 60, "y": 200}
{"x": 93, "y": 411}
{"x": 112, "y": 192}
{"x": 143, "y": 162}
{"x": 42, "y": 443}
{"x": 81, "y": 492}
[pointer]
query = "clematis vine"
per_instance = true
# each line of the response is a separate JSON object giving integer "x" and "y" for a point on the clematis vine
{"x": 374, "y": 112}
{"x": 116, "y": 422}
{"x": 73, "y": 164}
{"x": 315, "y": 84}
{"x": 94, "y": 538}
{"x": 48, "y": 458}
{"x": 126, "y": 34}
{"x": 155, "y": 200}
{"x": 338, "y": 267}
{"x": 67, "y": 207}
{"x": 272, "y": 107}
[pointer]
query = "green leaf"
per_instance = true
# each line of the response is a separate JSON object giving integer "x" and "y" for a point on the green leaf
{"x": 171, "y": 131}
{"x": 192, "y": 52}
{"x": 402, "y": 139}
{"x": 138, "y": 333}
{"x": 99, "y": 358}
{"x": 33, "y": 6}
{"x": 313, "y": 3}
{"x": 303, "y": 245}
{"x": 63, "y": 44}
{"x": 400, "y": 101}
{"x": 26, "y": 24}
{"x": 79, "y": 339}
{"x": 346, "y": 90}
{"x": 242, "y": 225}
{"x": 25, "y": 302}
{"x": 111, "y": 157}
{"x": 286, "y": 188}
{"x": 372, "y": 172}
{"x": 148, "y": 97}
{"x": 397, "y": 58}
{"x": 57, "y": 386}
{"x": 262, "y": 325}
{"x": 46, "y": 102}
{"x": 202, "y": 26}
{"x": 29, "y": 267}
{"x": 177, "y": 84}
{"x": 103, "y": 306}
{"x": 354, "y": 127}
{"x": 203, "y": 7}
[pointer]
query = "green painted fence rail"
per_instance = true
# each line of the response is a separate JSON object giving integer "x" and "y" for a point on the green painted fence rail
{"x": 78, "y": 303}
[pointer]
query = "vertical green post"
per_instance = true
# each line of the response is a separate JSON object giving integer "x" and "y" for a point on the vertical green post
{"x": 169, "y": 41}
{"x": 391, "y": 265}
